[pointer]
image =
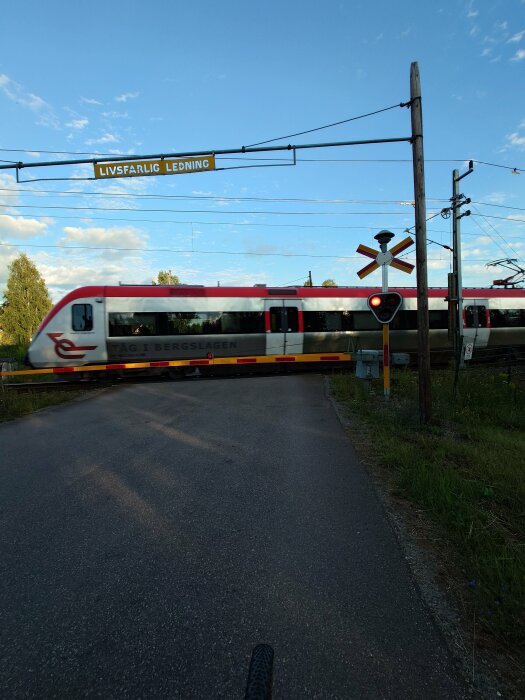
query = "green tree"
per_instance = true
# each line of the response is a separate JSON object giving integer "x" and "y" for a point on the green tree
{"x": 26, "y": 302}
{"x": 329, "y": 283}
{"x": 166, "y": 277}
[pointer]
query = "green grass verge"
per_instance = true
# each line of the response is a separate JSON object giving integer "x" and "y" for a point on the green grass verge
{"x": 14, "y": 404}
{"x": 466, "y": 470}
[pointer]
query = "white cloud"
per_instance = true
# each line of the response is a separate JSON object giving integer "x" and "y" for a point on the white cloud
{"x": 16, "y": 93}
{"x": 20, "y": 228}
{"x": 437, "y": 264}
{"x": 516, "y": 140}
{"x": 7, "y": 255}
{"x": 90, "y": 101}
{"x": 237, "y": 277}
{"x": 115, "y": 115}
{"x": 105, "y": 138}
{"x": 7, "y": 183}
{"x": 61, "y": 276}
{"x": 519, "y": 55}
{"x": 126, "y": 96}
{"x": 517, "y": 37}
{"x": 78, "y": 123}
{"x": 481, "y": 240}
{"x": 126, "y": 240}
{"x": 496, "y": 197}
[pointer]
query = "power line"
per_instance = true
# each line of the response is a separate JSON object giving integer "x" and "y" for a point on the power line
{"x": 500, "y": 206}
{"x": 498, "y": 234}
{"x": 328, "y": 126}
{"x": 209, "y": 223}
{"x": 502, "y": 218}
{"x": 197, "y": 252}
{"x": 212, "y": 211}
{"x": 218, "y": 198}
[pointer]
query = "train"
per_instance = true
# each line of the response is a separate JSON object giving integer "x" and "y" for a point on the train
{"x": 149, "y": 323}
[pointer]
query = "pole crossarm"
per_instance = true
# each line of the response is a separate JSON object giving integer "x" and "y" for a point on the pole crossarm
{"x": 189, "y": 154}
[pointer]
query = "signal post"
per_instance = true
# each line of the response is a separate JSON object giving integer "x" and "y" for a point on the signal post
{"x": 385, "y": 305}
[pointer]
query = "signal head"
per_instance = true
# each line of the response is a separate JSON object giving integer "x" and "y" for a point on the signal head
{"x": 385, "y": 305}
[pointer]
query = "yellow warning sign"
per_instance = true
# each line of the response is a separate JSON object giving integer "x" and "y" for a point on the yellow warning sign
{"x": 163, "y": 166}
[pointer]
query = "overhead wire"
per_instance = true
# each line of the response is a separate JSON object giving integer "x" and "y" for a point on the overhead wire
{"x": 328, "y": 126}
{"x": 497, "y": 234}
{"x": 207, "y": 223}
{"x": 188, "y": 251}
{"x": 216, "y": 197}
{"x": 200, "y": 211}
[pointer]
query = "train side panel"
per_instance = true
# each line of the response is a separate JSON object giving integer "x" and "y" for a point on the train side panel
{"x": 152, "y": 328}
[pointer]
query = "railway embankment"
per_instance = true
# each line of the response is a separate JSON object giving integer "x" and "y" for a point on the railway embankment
{"x": 456, "y": 487}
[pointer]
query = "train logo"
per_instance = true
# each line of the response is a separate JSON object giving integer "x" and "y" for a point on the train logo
{"x": 66, "y": 348}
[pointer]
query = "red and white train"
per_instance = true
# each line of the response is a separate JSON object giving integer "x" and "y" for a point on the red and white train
{"x": 126, "y": 324}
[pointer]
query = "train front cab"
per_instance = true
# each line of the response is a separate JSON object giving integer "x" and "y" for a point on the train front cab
{"x": 70, "y": 336}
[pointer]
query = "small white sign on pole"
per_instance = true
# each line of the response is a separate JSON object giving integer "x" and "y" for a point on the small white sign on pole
{"x": 469, "y": 349}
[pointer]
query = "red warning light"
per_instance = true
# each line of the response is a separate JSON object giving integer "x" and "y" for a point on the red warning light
{"x": 385, "y": 305}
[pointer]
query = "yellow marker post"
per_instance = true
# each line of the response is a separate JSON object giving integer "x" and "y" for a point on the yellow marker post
{"x": 386, "y": 360}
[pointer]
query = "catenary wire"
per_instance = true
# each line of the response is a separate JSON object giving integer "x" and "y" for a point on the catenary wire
{"x": 498, "y": 234}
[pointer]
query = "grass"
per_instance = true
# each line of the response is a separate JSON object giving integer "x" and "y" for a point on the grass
{"x": 466, "y": 471}
{"x": 13, "y": 404}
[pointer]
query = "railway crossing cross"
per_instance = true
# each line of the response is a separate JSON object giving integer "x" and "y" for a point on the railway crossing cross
{"x": 383, "y": 258}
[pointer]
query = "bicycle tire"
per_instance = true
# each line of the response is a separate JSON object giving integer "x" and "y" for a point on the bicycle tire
{"x": 260, "y": 674}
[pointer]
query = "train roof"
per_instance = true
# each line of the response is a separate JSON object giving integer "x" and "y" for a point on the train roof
{"x": 182, "y": 290}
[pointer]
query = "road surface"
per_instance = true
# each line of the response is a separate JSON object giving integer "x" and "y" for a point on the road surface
{"x": 153, "y": 534}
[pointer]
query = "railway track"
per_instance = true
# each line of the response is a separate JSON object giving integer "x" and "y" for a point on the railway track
{"x": 41, "y": 387}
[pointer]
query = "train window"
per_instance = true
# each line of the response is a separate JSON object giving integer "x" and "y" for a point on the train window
{"x": 438, "y": 319}
{"x": 277, "y": 320}
{"x": 82, "y": 317}
{"x": 242, "y": 322}
{"x": 364, "y": 321}
{"x": 507, "y": 318}
{"x": 185, "y": 323}
{"x": 292, "y": 319}
{"x": 328, "y": 321}
{"x": 475, "y": 316}
{"x": 128, "y": 324}
{"x": 284, "y": 319}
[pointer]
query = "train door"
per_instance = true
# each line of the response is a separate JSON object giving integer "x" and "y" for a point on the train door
{"x": 284, "y": 327}
{"x": 476, "y": 325}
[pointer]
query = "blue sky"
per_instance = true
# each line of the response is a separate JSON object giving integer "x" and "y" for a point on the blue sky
{"x": 131, "y": 77}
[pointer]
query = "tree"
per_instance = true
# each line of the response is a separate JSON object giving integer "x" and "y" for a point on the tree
{"x": 26, "y": 301}
{"x": 329, "y": 283}
{"x": 166, "y": 277}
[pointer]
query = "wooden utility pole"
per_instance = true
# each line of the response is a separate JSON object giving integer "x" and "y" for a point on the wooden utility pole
{"x": 423, "y": 355}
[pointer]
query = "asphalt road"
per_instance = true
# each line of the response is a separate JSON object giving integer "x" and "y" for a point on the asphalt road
{"x": 152, "y": 535}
